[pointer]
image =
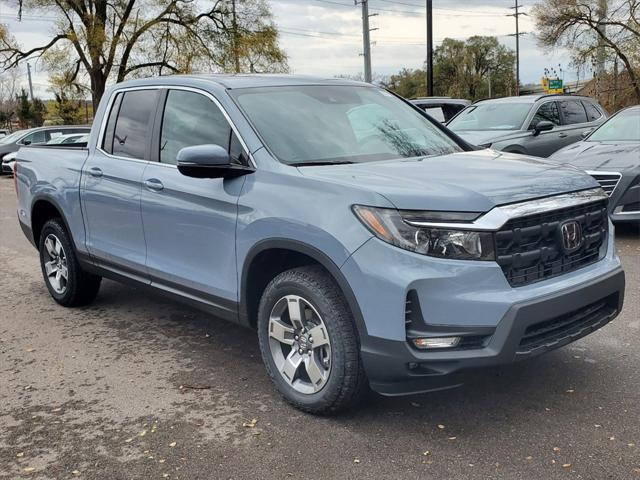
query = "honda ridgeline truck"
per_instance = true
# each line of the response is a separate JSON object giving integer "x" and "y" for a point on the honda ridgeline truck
{"x": 367, "y": 244}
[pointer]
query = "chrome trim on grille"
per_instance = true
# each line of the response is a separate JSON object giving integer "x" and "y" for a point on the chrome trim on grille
{"x": 498, "y": 216}
{"x": 608, "y": 180}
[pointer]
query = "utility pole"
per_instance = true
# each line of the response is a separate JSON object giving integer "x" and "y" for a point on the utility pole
{"x": 429, "y": 48}
{"x": 517, "y": 35}
{"x": 366, "y": 38}
{"x": 30, "y": 83}
{"x": 601, "y": 55}
{"x": 234, "y": 26}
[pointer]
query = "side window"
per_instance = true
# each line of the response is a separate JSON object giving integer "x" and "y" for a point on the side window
{"x": 573, "y": 112}
{"x": 34, "y": 138}
{"x": 133, "y": 126}
{"x": 592, "y": 111}
{"x": 191, "y": 119}
{"x": 107, "y": 141}
{"x": 546, "y": 112}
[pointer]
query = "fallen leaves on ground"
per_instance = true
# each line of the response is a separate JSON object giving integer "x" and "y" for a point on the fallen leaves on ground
{"x": 250, "y": 424}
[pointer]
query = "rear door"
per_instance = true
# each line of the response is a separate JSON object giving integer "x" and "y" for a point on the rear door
{"x": 112, "y": 183}
{"x": 574, "y": 121}
{"x": 190, "y": 223}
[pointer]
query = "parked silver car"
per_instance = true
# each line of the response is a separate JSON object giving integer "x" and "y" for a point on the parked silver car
{"x": 533, "y": 124}
{"x": 36, "y": 136}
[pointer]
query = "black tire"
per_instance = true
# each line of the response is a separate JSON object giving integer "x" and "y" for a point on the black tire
{"x": 81, "y": 288}
{"x": 346, "y": 382}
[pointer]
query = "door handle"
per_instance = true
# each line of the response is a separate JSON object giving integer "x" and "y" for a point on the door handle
{"x": 563, "y": 135}
{"x": 95, "y": 172}
{"x": 153, "y": 184}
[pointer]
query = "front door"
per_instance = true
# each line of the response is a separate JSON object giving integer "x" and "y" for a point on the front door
{"x": 112, "y": 184}
{"x": 190, "y": 223}
{"x": 545, "y": 143}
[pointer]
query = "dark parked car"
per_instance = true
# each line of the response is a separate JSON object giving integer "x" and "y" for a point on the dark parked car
{"x": 533, "y": 124}
{"x": 611, "y": 154}
{"x": 35, "y": 136}
{"x": 441, "y": 109}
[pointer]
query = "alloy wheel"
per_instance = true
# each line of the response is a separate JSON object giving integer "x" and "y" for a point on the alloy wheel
{"x": 299, "y": 344}
{"x": 55, "y": 264}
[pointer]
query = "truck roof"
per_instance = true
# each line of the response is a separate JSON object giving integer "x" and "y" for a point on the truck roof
{"x": 232, "y": 81}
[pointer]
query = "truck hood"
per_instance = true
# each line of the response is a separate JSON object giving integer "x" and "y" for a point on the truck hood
{"x": 481, "y": 137}
{"x": 470, "y": 181}
{"x": 611, "y": 156}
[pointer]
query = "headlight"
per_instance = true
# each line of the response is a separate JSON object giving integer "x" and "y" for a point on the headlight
{"x": 485, "y": 145}
{"x": 392, "y": 226}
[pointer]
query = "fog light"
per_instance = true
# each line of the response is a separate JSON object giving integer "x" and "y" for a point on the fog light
{"x": 441, "y": 342}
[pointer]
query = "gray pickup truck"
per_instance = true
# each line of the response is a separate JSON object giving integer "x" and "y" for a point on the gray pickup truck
{"x": 367, "y": 244}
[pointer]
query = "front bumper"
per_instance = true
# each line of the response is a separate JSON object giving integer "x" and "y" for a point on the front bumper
{"x": 473, "y": 300}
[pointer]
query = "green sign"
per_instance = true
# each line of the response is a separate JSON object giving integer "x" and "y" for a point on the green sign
{"x": 555, "y": 84}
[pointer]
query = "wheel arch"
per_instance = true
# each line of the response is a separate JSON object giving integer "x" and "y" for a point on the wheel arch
{"x": 44, "y": 209}
{"x": 279, "y": 255}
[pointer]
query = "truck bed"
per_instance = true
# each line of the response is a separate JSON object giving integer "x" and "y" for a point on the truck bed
{"x": 52, "y": 171}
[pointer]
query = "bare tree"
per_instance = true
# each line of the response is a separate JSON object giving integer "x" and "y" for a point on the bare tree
{"x": 116, "y": 39}
{"x": 583, "y": 28}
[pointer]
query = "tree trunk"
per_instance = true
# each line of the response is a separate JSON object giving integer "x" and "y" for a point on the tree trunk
{"x": 98, "y": 85}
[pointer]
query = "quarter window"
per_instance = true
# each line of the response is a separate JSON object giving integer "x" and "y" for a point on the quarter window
{"x": 592, "y": 111}
{"x": 107, "y": 141}
{"x": 573, "y": 112}
{"x": 191, "y": 119}
{"x": 133, "y": 126}
{"x": 548, "y": 112}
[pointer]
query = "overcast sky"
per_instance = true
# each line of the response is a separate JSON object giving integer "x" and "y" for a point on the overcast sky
{"x": 324, "y": 37}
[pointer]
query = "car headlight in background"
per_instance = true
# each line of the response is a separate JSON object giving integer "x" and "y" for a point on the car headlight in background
{"x": 392, "y": 226}
{"x": 485, "y": 145}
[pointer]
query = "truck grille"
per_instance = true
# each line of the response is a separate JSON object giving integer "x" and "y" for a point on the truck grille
{"x": 608, "y": 181}
{"x": 572, "y": 325}
{"x": 530, "y": 249}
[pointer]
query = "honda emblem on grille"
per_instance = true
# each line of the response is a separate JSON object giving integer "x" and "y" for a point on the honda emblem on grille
{"x": 571, "y": 234}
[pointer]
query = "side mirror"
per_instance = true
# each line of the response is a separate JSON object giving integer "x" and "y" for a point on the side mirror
{"x": 208, "y": 161}
{"x": 543, "y": 126}
{"x": 26, "y": 142}
{"x": 586, "y": 133}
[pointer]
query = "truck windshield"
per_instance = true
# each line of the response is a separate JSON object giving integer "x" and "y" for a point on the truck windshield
{"x": 624, "y": 127}
{"x": 491, "y": 116}
{"x": 339, "y": 124}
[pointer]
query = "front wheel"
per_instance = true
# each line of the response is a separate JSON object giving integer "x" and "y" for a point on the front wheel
{"x": 309, "y": 342}
{"x": 67, "y": 283}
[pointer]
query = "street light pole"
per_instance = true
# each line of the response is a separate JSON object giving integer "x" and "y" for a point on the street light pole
{"x": 430, "y": 48}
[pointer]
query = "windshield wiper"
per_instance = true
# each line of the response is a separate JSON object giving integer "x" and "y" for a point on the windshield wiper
{"x": 320, "y": 163}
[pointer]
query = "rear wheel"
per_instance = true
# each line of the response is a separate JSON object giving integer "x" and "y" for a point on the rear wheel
{"x": 67, "y": 283}
{"x": 309, "y": 342}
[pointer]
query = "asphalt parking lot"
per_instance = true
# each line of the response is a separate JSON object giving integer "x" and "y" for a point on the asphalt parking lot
{"x": 135, "y": 386}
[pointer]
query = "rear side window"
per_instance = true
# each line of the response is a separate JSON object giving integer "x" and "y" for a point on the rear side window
{"x": 133, "y": 125}
{"x": 191, "y": 119}
{"x": 573, "y": 112}
{"x": 547, "y": 112}
{"x": 436, "y": 113}
{"x": 592, "y": 111}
